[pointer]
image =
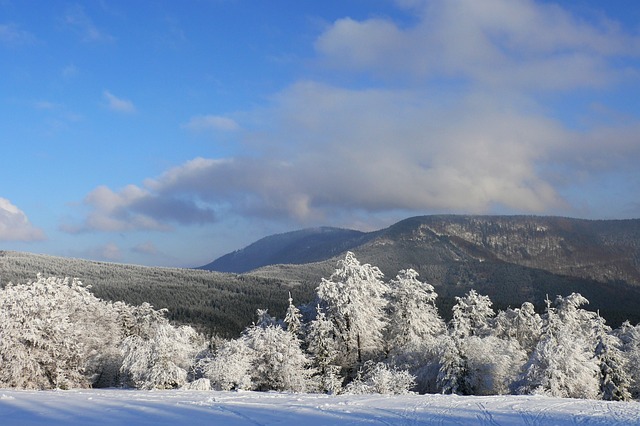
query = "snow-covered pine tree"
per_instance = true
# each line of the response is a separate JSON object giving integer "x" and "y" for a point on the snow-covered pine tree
{"x": 629, "y": 335}
{"x": 293, "y": 319}
{"x": 614, "y": 380}
{"x": 321, "y": 344}
{"x": 354, "y": 299}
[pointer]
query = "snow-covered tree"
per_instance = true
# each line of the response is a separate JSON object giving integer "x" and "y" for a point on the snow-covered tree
{"x": 629, "y": 335}
{"x": 354, "y": 299}
{"x": 563, "y": 363}
{"x": 492, "y": 364}
{"x": 453, "y": 375}
{"x": 278, "y": 361}
{"x": 522, "y": 325}
{"x": 471, "y": 315}
{"x": 55, "y": 334}
{"x": 265, "y": 319}
{"x": 293, "y": 319}
{"x": 614, "y": 380}
{"x": 265, "y": 357}
{"x": 322, "y": 346}
{"x": 230, "y": 367}
{"x": 413, "y": 317}
{"x": 414, "y": 329}
{"x": 161, "y": 360}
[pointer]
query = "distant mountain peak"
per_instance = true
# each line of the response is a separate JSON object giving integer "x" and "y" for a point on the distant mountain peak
{"x": 295, "y": 247}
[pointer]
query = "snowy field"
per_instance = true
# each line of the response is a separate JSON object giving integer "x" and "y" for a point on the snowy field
{"x": 132, "y": 407}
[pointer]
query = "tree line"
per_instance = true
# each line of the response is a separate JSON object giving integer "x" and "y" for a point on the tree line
{"x": 361, "y": 334}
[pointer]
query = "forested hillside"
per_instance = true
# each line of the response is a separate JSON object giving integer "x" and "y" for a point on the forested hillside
{"x": 214, "y": 302}
{"x": 510, "y": 258}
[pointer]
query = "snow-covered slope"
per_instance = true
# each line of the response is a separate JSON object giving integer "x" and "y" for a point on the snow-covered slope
{"x": 128, "y": 407}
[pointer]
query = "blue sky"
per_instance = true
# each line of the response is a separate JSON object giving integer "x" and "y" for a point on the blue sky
{"x": 169, "y": 133}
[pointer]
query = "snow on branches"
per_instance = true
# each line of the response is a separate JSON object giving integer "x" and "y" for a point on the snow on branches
{"x": 360, "y": 335}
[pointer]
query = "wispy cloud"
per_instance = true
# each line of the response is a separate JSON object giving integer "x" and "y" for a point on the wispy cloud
{"x": 15, "y": 226}
{"x": 117, "y": 104}
{"x": 79, "y": 21}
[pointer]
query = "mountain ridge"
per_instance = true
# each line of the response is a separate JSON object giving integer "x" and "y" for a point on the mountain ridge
{"x": 296, "y": 247}
{"x": 605, "y": 250}
{"x": 510, "y": 258}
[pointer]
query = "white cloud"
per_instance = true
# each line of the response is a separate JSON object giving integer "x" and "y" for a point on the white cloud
{"x": 202, "y": 123}
{"x": 115, "y": 103}
{"x": 15, "y": 226}
{"x": 508, "y": 43}
{"x": 134, "y": 208}
{"x": 460, "y": 129}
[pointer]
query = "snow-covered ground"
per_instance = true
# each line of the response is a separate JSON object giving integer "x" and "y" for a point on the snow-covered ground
{"x": 131, "y": 407}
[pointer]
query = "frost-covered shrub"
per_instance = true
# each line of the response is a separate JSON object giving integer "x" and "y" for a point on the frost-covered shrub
{"x": 161, "y": 360}
{"x": 563, "y": 363}
{"x": 380, "y": 378}
{"x": 230, "y": 367}
{"x": 264, "y": 358}
{"x": 493, "y": 364}
{"x": 55, "y": 334}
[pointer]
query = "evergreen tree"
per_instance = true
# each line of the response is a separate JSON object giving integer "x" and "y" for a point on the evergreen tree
{"x": 630, "y": 337}
{"x": 293, "y": 319}
{"x": 453, "y": 376}
{"x": 614, "y": 380}
{"x": 322, "y": 346}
